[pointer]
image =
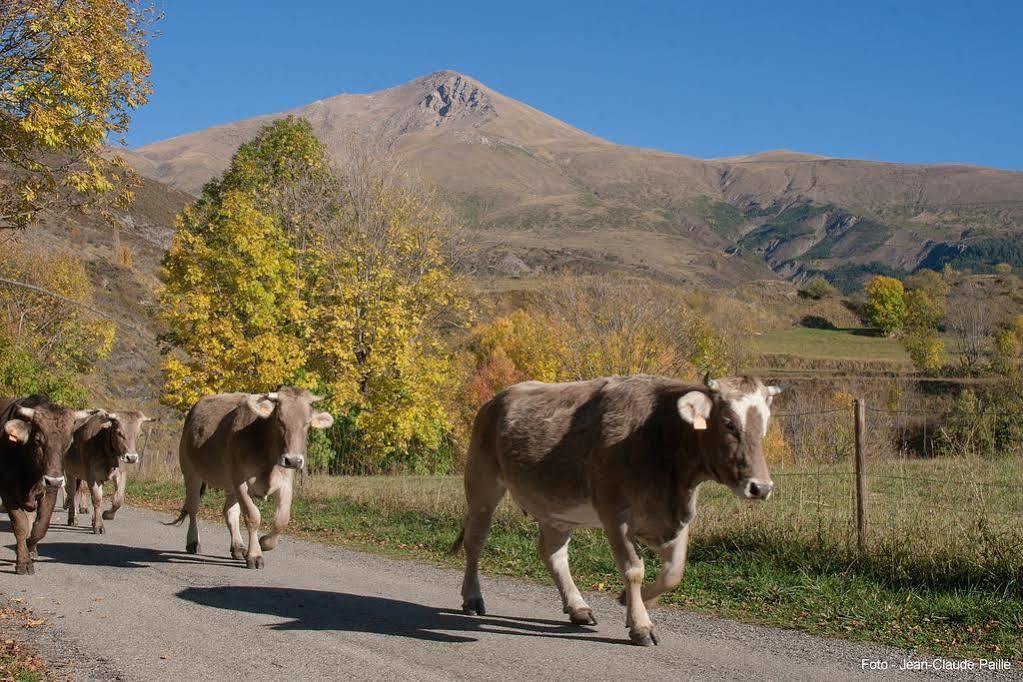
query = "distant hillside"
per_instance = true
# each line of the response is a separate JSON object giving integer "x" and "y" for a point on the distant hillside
{"x": 550, "y": 195}
{"x": 126, "y": 292}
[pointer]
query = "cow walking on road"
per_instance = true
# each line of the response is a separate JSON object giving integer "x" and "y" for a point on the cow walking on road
{"x": 100, "y": 449}
{"x": 36, "y": 435}
{"x": 250, "y": 445}
{"x": 626, "y": 454}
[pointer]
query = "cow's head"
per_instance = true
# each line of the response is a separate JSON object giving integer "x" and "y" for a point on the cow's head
{"x": 45, "y": 430}
{"x": 290, "y": 413}
{"x": 123, "y": 430}
{"x": 731, "y": 418}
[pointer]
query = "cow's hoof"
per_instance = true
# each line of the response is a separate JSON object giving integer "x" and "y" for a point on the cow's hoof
{"x": 643, "y": 637}
{"x": 99, "y": 530}
{"x": 27, "y": 568}
{"x": 33, "y": 551}
{"x": 254, "y": 562}
{"x": 71, "y": 522}
{"x": 108, "y": 515}
{"x": 237, "y": 552}
{"x": 474, "y": 607}
{"x": 82, "y": 509}
{"x": 192, "y": 548}
{"x": 582, "y": 617}
{"x": 267, "y": 543}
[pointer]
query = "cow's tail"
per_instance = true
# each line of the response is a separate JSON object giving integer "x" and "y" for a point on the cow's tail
{"x": 183, "y": 514}
{"x": 457, "y": 544}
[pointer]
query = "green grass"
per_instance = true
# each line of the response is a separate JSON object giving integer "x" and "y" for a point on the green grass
{"x": 943, "y": 570}
{"x": 722, "y": 217}
{"x": 837, "y": 344}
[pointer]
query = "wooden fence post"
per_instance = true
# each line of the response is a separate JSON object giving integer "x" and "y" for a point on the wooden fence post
{"x": 861, "y": 478}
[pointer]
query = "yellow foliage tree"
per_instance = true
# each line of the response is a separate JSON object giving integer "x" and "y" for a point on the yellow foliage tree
{"x": 48, "y": 340}
{"x": 381, "y": 291}
{"x": 71, "y": 71}
{"x": 231, "y": 302}
{"x": 886, "y": 306}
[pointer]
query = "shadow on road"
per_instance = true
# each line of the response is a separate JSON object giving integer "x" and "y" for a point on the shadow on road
{"x": 121, "y": 556}
{"x": 320, "y": 610}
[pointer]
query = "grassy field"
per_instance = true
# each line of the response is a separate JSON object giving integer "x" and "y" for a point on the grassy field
{"x": 942, "y": 573}
{"x": 837, "y": 344}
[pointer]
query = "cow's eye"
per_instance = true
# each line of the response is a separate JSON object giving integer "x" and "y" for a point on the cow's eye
{"x": 730, "y": 425}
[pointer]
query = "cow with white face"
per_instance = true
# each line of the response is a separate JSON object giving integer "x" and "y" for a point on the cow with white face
{"x": 250, "y": 445}
{"x": 101, "y": 448}
{"x": 626, "y": 454}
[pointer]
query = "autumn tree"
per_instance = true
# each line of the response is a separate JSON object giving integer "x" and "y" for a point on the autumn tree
{"x": 924, "y": 301}
{"x": 382, "y": 300}
{"x": 290, "y": 270}
{"x": 885, "y": 307}
{"x": 231, "y": 303}
{"x": 49, "y": 336}
{"x": 71, "y": 72}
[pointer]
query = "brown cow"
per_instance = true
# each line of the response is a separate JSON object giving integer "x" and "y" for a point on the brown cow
{"x": 250, "y": 445}
{"x": 626, "y": 454}
{"x": 36, "y": 434}
{"x": 100, "y": 449}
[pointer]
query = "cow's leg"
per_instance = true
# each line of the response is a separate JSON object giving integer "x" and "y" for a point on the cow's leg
{"x": 44, "y": 512}
{"x": 71, "y": 499}
{"x": 96, "y": 490}
{"x": 673, "y": 554}
{"x": 232, "y": 516}
{"x": 80, "y": 494}
{"x": 554, "y": 553}
{"x": 254, "y": 554}
{"x": 193, "y": 497}
{"x": 630, "y": 565}
{"x": 120, "y": 484}
{"x": 483, "y": 491}
{"x": 282, "y": 516}
{"x": 23, "y": 562}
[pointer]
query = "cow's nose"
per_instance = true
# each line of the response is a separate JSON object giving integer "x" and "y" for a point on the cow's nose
{"x": 292, "y": 461}
{"x": 53, "y": 481}
{"x": 759, "y": 490}
{"x": 131, "y": 457}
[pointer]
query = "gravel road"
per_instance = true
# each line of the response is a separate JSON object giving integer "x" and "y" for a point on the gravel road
{"x": 132, "y": 605}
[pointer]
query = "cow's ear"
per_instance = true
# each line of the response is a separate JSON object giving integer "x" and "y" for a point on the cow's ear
{"x": 321, "y": 420}
{"x": 694, "y": 408}
{"x": 261, "y": 404}
{"x": 107, "y": 424}
{"x": 17, "y": 431}
{"x": 84, "y": 414}
{"x": 771, "y": 391}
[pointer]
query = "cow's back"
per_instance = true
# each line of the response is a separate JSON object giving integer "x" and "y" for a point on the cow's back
{"x": 208, "y": 422}
{"x": 545, "y": 438}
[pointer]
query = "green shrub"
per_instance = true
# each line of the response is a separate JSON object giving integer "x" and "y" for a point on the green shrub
{"x": 818, "y": 288}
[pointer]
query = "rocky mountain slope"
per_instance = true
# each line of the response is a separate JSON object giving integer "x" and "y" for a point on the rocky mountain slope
{"x": 547, "y": 194}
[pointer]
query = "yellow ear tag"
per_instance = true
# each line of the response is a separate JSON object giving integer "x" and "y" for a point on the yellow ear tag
{"x": 699, "y": 423}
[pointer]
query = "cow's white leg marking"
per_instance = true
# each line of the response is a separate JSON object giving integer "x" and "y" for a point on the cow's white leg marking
{"x": 673, "y": 554}
{"x": 254, "y": 556}
{"x": 232, "y": 516}
{"x": 554, "y": 553}
{"x": 120, "y": 483}
{"x": 630, "y": 564}
{"x": 96, "y": 488}
{"x": 282, "y": 516}
{"x": 193, "y": 497}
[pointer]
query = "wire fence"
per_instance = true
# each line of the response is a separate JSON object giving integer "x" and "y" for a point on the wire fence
{"x": 871, "y": 478}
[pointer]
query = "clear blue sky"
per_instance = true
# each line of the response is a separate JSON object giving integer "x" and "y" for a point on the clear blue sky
{"x": 899, "y": 81}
